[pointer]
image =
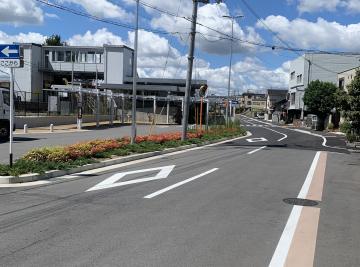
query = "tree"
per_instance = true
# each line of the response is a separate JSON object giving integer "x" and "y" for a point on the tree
{"x": 351, "y": 103}
{"x": 321, "y": 97}
{"x": 53, "y": 40}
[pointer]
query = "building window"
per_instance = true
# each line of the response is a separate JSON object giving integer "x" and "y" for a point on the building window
{"x": 90, "y": 57}
{"x": 99, "y": 58}
{"x": 292, "y": 75}
{"x": 60, "y": 56}
{"x": 82, "y": 57}
{"x": 299, "y": 78}
{"x": 6, "y": 96}
{"x": 53, "y": 56}
{"x": 341, "y": 83}
{"x": 68, "y": 56}
{"x": 249, "y": 103}
{"x": 75, "y": 56}
{"x": 292, "y": 98}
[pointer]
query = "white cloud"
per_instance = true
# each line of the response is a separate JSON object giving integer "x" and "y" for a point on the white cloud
{"x": 52, "y": 16}
{"x": 20, "y": 12}
{"x": 321, "y": 34}
{"x": 352, "y": 6}
{"x": 102, "y": 8}
{"x": 98, "y": 38}
{"x": 31, "y": 37}
{"x": 208, "y": 40}
{"x": 318, "y": 5}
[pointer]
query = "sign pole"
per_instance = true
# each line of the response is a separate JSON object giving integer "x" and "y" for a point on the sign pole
{"x": 11, "y": 128}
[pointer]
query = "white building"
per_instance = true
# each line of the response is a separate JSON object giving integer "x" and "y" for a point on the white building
{"x": 112, "y": 65}
{"x": 311, "y": 67}
{"x": 346, "y": 77}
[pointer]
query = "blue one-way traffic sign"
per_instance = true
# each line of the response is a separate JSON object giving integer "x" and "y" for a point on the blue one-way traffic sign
{"x": 9, "y": 51}
{"x": 10, "y": 56}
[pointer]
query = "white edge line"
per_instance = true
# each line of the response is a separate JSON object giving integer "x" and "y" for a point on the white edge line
{"x": 305, "y": 188}
{"x": 256, "y": 150}
{"x": 179, "y": 184}
{"x": 282, "y": 248}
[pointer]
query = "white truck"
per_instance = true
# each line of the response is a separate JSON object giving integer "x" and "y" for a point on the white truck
{"x": 4, "y": 114}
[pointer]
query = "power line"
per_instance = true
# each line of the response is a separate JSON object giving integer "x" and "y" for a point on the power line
{"x": 86, "y": 15}
{"x": 286, "y": 46}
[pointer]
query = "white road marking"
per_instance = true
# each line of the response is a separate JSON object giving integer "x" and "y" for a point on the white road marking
{"x": 256, "y": 150}
{"x": 285, "y": 136}
{"x": 254, "y": 140}
{"x": 282, "y": 248}
{"x": 113, "y": 180}
{"x": 179, "y": 184}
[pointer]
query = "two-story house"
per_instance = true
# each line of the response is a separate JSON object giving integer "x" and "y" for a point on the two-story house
{"x": 311, "y": 67}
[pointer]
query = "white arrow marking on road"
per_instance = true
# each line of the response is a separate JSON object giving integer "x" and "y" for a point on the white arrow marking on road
{"x": 113, "y": 180}
{"x": 6, "y": 51}
{"x": 253, "y": 140}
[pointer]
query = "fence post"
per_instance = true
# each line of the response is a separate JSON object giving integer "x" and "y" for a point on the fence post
{"x": 111, "y": 120}
{"x": 97, "y": 108}
{"x": 123, "y": 109}
{"x": 167, "y": 111}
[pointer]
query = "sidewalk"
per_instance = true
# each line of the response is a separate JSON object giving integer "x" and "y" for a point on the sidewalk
{"x": 71, "y": 128}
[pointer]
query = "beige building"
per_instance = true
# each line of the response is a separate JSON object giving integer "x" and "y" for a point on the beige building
{"x": 253, "y": 102}
{"x": 345, "y": 78}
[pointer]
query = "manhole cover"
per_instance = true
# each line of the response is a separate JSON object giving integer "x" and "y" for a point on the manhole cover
{"x": 300, "y": 202}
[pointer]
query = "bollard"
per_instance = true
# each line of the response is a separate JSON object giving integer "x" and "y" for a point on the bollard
{"x": 51, "y": 128}
{"x": 25, "y": 128}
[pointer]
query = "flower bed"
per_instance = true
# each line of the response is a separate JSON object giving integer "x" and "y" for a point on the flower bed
{"x": 65, "y": 157}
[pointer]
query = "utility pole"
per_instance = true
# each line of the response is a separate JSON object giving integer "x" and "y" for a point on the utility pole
{"x": 230, "y": 64}
{"x": 133, "y": 123}
{"x": 190, "y": 67}
{"x": 189, "y": 71}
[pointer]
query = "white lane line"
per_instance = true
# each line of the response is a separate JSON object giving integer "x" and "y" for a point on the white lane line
{"x": 282, "y": 248}
{"x": 256, "y": 150}
{"x": 179, "y": 184}
{"x": 318, "y": 135}
{"x": 285, "y": 136}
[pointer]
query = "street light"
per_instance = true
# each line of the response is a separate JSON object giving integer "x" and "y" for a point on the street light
{"x": 233, "y": 18}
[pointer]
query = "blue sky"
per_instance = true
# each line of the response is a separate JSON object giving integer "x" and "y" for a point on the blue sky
{"x": 322, "y": 24}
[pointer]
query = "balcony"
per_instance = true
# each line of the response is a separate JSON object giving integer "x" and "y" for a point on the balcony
{"x": 68, "y": 67}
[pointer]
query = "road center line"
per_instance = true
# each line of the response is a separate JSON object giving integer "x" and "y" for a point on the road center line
{"x": 286, "y": 242}
{"x": 256, "y": 150}
{"x": 180, "y": 184}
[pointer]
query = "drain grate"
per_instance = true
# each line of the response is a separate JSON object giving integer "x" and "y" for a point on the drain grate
{"x": 300, "y": 202}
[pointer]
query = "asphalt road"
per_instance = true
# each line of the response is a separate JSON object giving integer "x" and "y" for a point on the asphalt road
{"x": 219, "y": 205}
{"x": 25, "y": 142}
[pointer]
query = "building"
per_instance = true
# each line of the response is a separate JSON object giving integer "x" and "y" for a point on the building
{"x": 275, "y": 98}
{"x": 109, "y": 65}
{"x": 253, "y": 101}
{"x": 346, "y": 77}
{"x": 311, "y": 67}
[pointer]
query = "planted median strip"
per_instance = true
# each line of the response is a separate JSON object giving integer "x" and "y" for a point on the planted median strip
{"x": 68, "y": 157}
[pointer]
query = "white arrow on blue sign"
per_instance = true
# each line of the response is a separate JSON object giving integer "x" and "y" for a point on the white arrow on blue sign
{"x": 8, "y": 51}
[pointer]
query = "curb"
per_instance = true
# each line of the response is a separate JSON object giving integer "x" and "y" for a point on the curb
{"x": 25, "y": 178}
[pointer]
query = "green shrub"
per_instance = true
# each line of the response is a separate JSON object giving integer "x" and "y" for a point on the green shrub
{"x": 345, "y": 127}
{"x": 330, "y": 126}
{"x": 352, "y": 137}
